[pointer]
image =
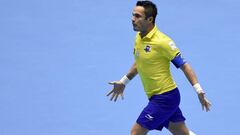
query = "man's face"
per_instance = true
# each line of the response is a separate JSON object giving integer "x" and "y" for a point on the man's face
{"x": 139, "y": 20}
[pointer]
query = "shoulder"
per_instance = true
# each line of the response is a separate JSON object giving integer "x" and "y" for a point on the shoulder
{"x": 163, "y": 41}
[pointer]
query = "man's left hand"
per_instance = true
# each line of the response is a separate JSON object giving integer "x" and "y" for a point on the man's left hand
{"x": 204, "y": 101}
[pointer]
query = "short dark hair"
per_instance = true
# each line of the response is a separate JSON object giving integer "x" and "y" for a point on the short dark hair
{"x": 150, "y": 9}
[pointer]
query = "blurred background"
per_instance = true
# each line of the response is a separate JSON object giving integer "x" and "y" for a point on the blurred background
{"x": 57, "y": 57}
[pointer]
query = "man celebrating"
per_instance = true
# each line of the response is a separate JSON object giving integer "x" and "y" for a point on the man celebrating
{"x": 153, "y": 52}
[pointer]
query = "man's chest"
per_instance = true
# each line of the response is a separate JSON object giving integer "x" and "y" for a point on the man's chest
{"x": 146, "y": 51}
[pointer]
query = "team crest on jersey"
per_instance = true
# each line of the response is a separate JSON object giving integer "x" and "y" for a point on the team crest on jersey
{"x": 147, "y": 48}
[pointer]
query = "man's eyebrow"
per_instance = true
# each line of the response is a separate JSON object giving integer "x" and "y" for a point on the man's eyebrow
{"x": 136, "y": 14}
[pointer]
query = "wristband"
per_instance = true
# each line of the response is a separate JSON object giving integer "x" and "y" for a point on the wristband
{"x": 198, "y": 88}
{"x": 125, "y": 80}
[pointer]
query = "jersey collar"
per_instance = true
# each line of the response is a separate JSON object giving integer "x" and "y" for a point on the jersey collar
{"x": 150, "y": 34}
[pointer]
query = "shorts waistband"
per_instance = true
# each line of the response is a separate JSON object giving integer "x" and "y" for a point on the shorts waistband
{"x": 171, "y": 91}
{"x": 166, "y": 93}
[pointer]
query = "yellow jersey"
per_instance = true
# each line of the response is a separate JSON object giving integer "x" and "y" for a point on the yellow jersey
{"x": 153, "y": 54}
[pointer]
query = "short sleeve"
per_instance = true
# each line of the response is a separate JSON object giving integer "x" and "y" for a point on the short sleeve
{"x": 169, "y": 49}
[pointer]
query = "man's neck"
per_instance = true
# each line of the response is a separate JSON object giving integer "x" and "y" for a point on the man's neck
{"x": 144, "y": 33}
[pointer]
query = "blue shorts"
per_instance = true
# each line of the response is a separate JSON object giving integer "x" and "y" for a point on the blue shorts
{"x": 160, "y": 110}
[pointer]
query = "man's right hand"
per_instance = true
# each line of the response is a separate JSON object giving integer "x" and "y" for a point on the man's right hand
{"x": 118, "y": 88}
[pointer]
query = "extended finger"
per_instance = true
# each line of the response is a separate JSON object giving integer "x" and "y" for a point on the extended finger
{"x": 208, "y": 105}
{"x": 112, "y": 83}
{"x": 202, "y": 101}
{"x": 113, "y": 95}
{"x": 116, "y": 98}
{"x": 207, "y": 108}
{"x": 110, "y": 93}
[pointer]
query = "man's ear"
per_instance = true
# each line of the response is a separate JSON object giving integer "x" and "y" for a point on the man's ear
{"x": 150, "y": 19}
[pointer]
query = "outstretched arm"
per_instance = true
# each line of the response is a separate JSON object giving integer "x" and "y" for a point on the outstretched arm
{"x": 192, "y": 78}
{"x": 119, "y": 86}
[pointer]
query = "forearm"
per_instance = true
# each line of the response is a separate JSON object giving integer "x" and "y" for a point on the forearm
{"x": 132, "y": 72}
{"x": 191, "y": 76}
{"x": 189, "y": 73}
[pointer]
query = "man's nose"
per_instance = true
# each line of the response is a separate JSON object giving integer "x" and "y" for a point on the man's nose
{"x": 133, "y": 18}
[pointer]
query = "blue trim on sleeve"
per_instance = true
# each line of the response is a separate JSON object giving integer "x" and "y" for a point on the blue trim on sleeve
{"x": 178, "y": 61}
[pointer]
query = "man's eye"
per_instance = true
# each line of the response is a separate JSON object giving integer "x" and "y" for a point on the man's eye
{"x": 137, "y": 15}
